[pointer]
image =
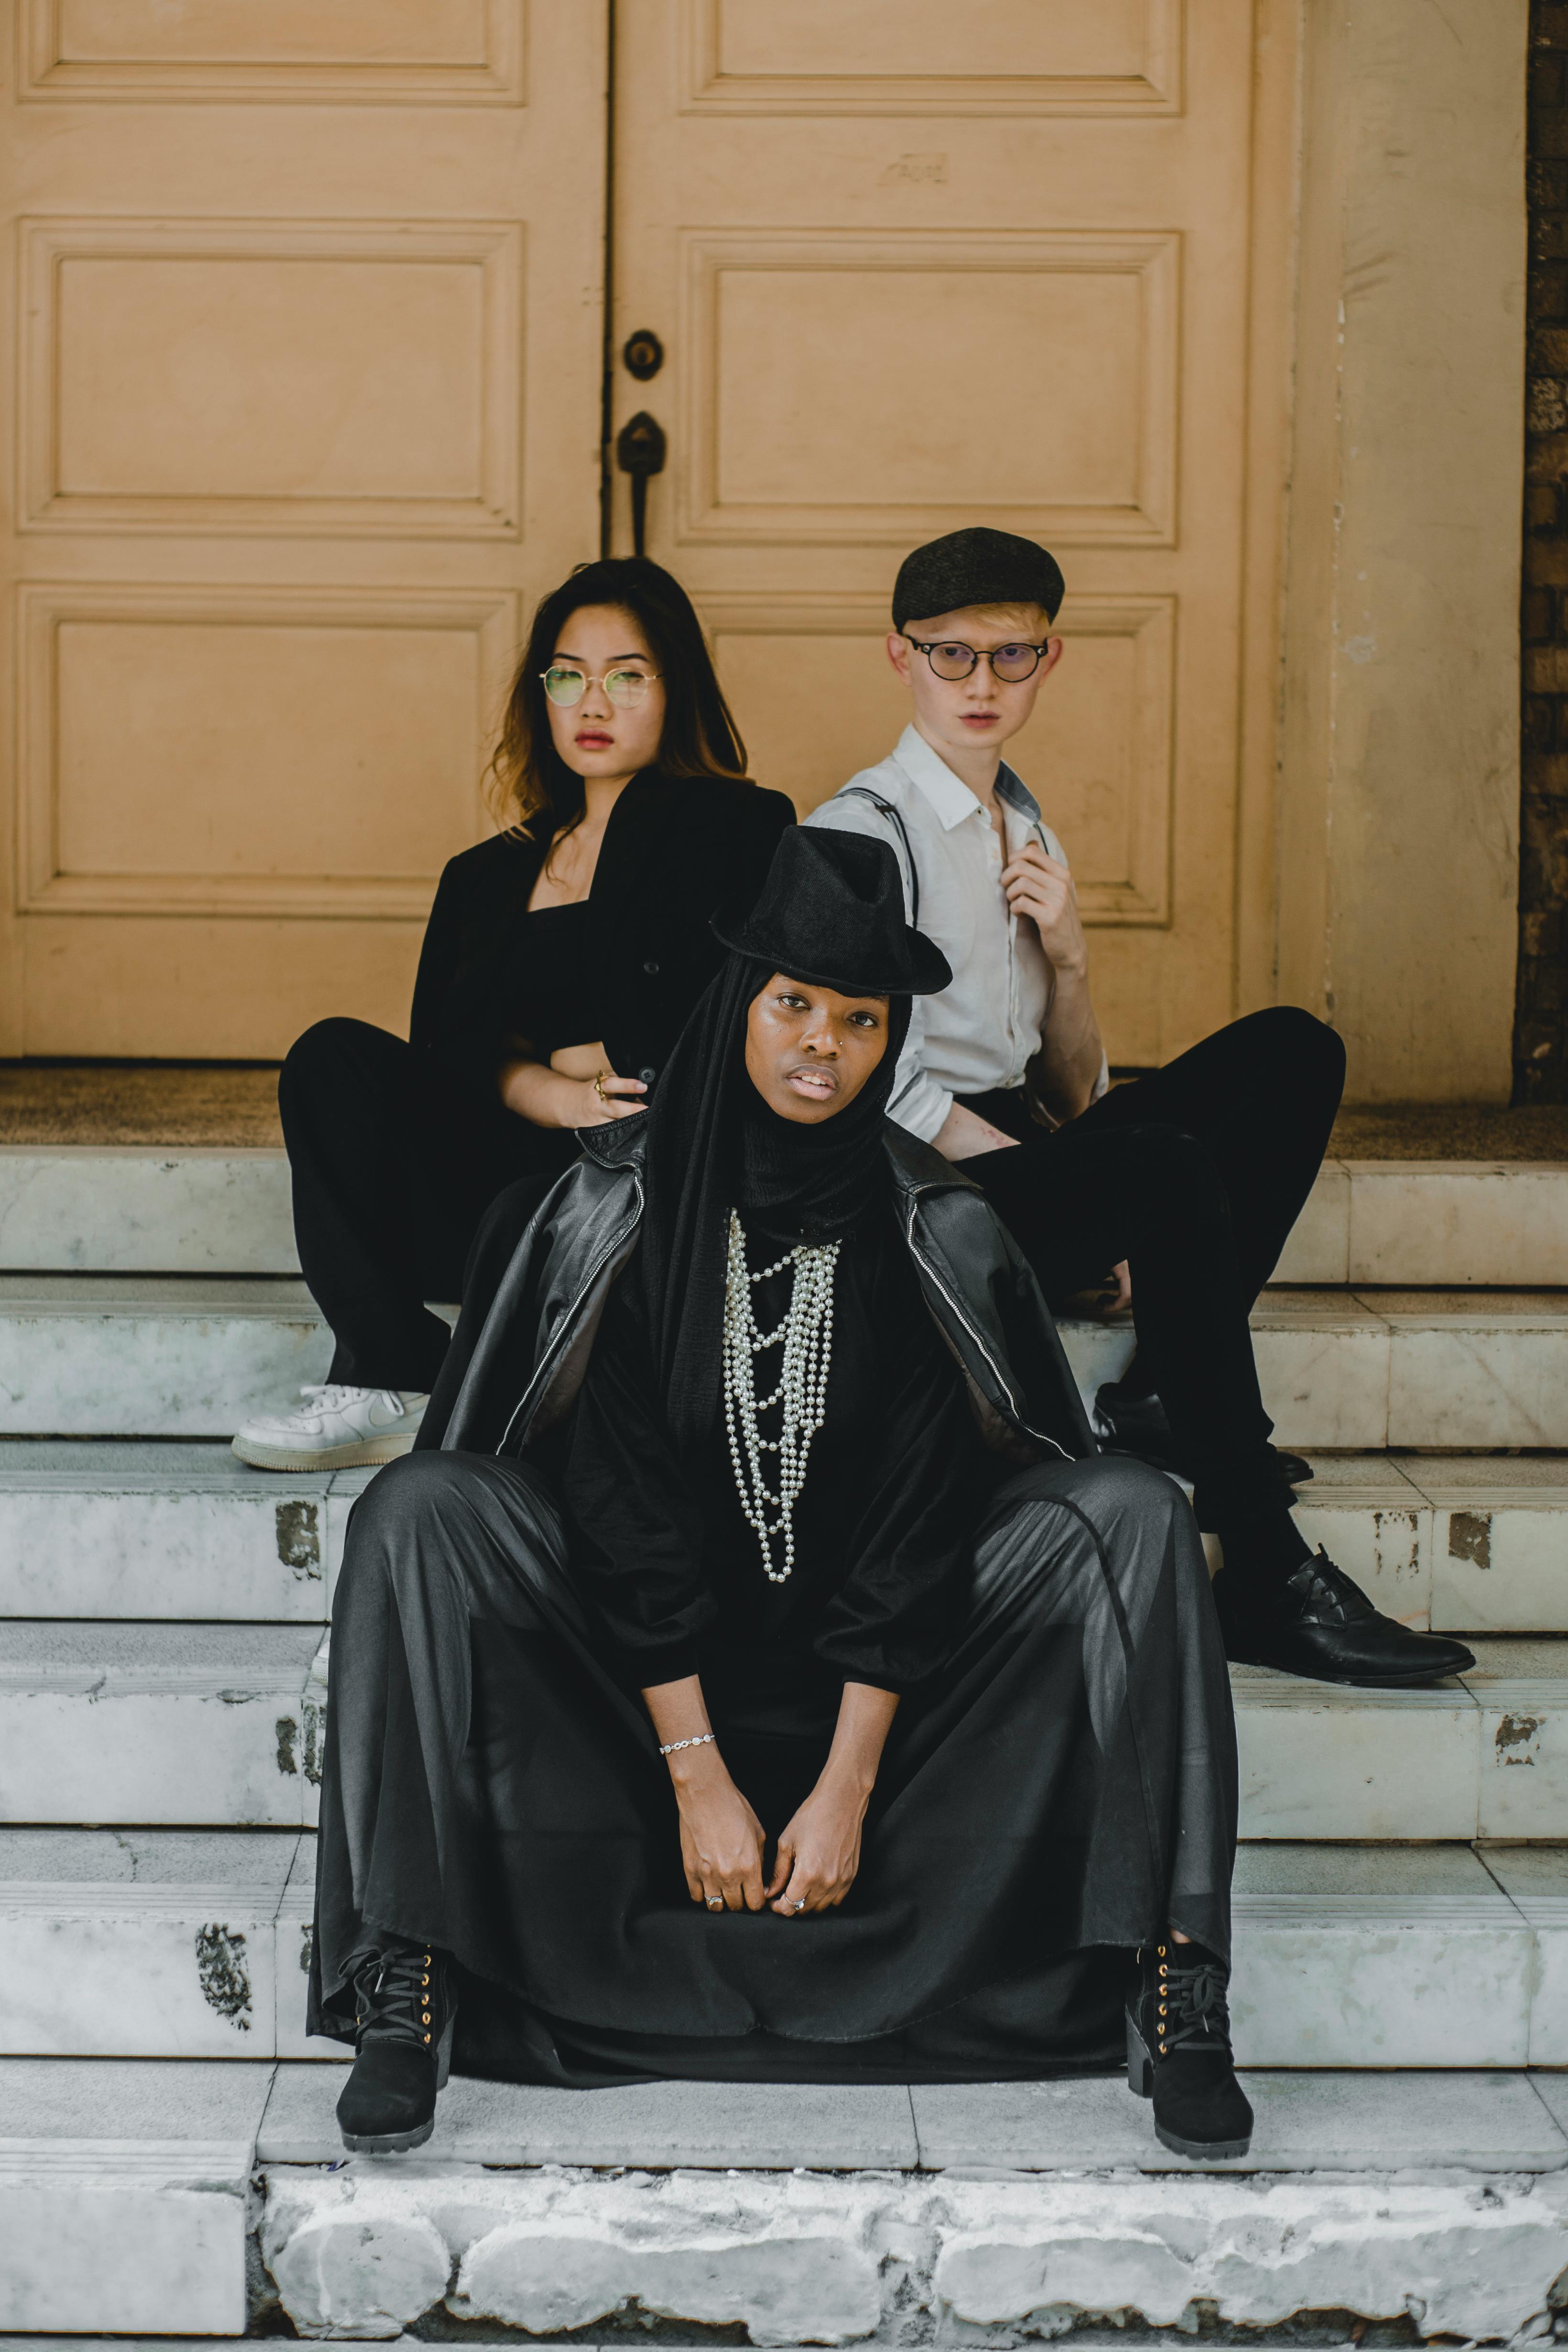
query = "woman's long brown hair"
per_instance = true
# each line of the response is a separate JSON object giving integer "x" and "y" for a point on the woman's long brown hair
{"x": 528, "y": 777}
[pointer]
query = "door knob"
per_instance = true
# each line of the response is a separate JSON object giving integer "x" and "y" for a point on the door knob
{"x": 639, "y": 450}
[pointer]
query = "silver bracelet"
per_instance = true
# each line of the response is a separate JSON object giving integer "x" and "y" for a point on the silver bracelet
{"x": 703, "y": 1739}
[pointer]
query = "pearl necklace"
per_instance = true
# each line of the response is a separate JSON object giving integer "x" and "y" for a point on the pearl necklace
{"x": 807, "y": 1333}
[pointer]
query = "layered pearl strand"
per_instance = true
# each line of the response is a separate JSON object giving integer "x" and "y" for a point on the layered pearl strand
{"x": 807, "y": 1334}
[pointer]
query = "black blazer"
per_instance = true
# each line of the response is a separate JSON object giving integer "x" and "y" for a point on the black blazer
{"x": 674, "y": 851}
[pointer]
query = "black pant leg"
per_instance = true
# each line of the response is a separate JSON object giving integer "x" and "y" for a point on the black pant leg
{"x": 1261, "y": 1097}
{"x": 393, "y": 1164}
{"x": 1081, "y": 1198}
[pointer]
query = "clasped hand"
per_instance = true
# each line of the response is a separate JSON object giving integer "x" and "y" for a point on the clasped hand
{"x": 722, "y": 1844}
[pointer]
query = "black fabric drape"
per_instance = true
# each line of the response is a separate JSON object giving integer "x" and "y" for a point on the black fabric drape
{"x": 896, "y": 1484}
{"x": 1063, "y": 1787}
{"x": 1194, "y": 1175}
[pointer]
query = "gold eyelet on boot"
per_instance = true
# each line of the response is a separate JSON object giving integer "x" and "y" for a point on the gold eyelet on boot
{"x": 1161, "y": 1950}
{"x": 427, "y": 2037}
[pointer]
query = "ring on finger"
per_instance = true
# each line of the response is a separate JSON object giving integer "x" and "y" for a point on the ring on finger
{"x": 716, "y": 1903}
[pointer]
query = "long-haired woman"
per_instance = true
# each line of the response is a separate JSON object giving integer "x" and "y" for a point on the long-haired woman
{"x": 561, "y": 961}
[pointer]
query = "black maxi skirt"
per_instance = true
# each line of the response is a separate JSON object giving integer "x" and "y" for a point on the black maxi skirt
{"x": 1058, "y": 1793}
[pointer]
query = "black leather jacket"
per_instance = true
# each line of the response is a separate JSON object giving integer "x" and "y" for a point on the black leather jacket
{"x": 532, "y": 1351}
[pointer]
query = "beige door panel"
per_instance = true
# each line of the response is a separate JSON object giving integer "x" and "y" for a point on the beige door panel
{"x": 309, "y": 381}
{"x": 1027, "y": 307}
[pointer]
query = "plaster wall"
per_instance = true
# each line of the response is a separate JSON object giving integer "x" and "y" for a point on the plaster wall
{"x": 1399, "y": 755}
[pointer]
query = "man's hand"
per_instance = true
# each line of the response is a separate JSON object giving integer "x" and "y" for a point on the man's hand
{"x": 1038, "y": 887}
{"x": 721, "y": 1837}
{"x": 819, "y": 1852}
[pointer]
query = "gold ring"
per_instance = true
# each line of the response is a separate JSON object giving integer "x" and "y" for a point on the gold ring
{"x": 599, "y": 1077}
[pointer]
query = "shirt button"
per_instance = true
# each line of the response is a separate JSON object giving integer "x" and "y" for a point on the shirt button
{"x": 647, "y": 1077}
{"x": 651, "y": 965}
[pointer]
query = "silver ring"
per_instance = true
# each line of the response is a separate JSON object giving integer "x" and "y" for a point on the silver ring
{"x": 716, "y": 1903}
{"x": 799, "y": 1906}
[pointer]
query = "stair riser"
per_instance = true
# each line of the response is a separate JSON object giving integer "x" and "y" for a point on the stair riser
{"x": 1359, "y": 1388}
{"x": 208, "y": 1979}
{"x": 1484, "y": 1568}
{"x": 111, "y": 2244}
{"x": 244, "y": 1760}
{"x": 163, "y": 1375}
{"x": 266, "y": 1557}
{"x": 157, "y": 1981}
{"x": 267, "y": 1552}
{"x": 141, "y": 1211}
{"x": 1424, "y": 1769}
{"x": 1310, "y": 1769}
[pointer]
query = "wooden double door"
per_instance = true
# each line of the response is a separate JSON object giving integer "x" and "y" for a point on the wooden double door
{"x": 317, "y": 319}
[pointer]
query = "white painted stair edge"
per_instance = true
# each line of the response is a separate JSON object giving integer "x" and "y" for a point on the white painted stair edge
{"x": 150, "y": 1530}
{"x": 123, "y": 2206}
{"x": 143, "y": 1209}
{"x": 221, "y": 1725}
{"x": 190, "y": 1944}
{"x": 148, "y": 1356}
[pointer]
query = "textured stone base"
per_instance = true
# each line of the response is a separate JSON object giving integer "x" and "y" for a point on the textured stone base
{"x": 812, "y": 2258}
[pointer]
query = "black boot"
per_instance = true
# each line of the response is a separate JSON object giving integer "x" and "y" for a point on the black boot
{"x": 1179, "y": 2052}
{"x": 403, "y": 2016}
{"x": 1317, "y": 1622}
{"x": 1139, "y": 1425}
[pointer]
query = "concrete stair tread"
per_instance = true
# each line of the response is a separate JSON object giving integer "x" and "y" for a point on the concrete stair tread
{"x": 283, "y": 2113}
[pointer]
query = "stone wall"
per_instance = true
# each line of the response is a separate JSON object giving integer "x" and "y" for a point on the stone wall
{"x": 1540, "y": 1021}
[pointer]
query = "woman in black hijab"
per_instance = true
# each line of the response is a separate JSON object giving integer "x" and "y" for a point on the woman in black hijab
{"x": 764, "y": 1682}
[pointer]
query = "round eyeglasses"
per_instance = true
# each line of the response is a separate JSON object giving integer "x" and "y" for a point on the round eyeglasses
{"x": 1010, "y": 663}
{"x": 626, "y": 688}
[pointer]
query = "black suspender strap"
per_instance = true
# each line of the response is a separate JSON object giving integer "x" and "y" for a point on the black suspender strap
{"x": 895, "y": 818}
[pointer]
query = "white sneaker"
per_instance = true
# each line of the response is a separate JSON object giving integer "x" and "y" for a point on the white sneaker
{"x": 339, "y": 1428}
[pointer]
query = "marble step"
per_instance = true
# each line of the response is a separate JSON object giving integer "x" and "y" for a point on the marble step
{"x": 95, "y": 1355}
{"x": 220, "y": 1725}
{"x": 148, "y": 1356}
{"x": 196, "y": 1943}
{"x": 767, "y": 2210}
{"x": 209, "y": 1725}
{"x": 141, "y": 1209}
{"x": 1359, "y": 1369}
{"x": 107, "y": 1527}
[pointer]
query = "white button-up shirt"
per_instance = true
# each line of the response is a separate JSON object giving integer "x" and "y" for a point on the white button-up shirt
{"x": 985, "y": 1029}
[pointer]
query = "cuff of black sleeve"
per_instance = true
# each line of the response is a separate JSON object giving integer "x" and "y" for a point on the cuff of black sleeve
{"x": 646, "y": 1669}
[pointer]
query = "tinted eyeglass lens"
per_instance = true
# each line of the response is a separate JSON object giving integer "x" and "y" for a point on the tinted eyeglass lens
{"x": 626, "y": 688}
{"x": 565, "y": 686}
{"x": 952, "y": 661}
{"x": 1015, "y": 662}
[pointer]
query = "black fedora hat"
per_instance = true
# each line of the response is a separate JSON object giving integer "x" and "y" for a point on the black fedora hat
{"x": 832, "y": 911}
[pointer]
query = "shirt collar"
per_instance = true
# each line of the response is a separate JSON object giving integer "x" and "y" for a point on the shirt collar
{"x": 948, "y": 795}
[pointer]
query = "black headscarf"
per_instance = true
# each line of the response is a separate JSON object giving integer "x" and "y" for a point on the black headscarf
{"x": 714, "y": 1145}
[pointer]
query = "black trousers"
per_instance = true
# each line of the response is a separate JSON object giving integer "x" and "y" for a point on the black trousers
{"x": 394, "y": 1162}
{"x": 1194, "y": 1175}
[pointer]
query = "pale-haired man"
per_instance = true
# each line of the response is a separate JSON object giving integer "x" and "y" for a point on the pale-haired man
{"x": 1186, "y": 1181}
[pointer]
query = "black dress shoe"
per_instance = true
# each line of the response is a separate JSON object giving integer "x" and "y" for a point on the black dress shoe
{"x": 404, "y": 2017}
{"x": 1179, "y": 2052}
{"x": 1138, "y": 1426}
{"x": 1317, "y": 1622}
